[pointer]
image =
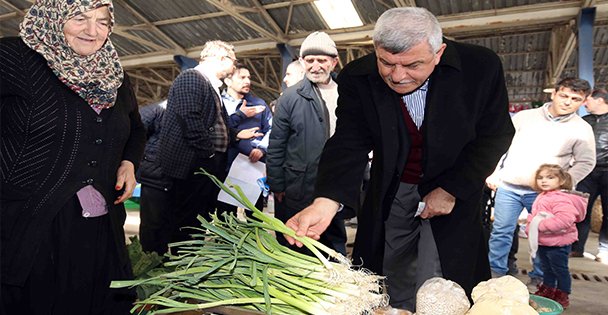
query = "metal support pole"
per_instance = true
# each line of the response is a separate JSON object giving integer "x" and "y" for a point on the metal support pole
{"x": 287, "y": 56}
{"x": 585, "y": 48}
{"x": 184, "y": 62}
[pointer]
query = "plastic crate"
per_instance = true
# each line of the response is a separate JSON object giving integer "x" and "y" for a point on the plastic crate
{"x": 549, "y": 306}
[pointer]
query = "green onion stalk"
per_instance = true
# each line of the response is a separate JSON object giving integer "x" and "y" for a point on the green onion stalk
{"x": 237, "y": 262}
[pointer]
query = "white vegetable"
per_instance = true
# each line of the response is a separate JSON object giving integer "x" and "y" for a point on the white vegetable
{"x": 506, "y": 287}
{"x": 439, "y": 296}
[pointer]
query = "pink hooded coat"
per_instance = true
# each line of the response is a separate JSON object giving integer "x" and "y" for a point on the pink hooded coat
{"x": 567, "y": 208}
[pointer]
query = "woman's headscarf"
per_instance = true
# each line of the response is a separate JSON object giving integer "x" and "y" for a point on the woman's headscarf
{"x": 97, "y": 77}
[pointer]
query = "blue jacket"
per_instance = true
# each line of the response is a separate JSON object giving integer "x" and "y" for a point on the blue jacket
{"x": 239, "y": 121}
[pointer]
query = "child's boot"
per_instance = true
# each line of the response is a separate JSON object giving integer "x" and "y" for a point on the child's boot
{"x": 545, "y": 291}
{"x": 562, "y": 298}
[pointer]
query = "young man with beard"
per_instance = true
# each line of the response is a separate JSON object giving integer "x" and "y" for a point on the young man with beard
{"x": 245, "y": 110}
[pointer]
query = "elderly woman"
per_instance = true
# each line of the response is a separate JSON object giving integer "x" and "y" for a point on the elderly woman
{"x": 70, "y": 140}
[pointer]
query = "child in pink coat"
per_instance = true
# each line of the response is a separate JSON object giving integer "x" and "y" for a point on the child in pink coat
{"x": 552, "y": 229}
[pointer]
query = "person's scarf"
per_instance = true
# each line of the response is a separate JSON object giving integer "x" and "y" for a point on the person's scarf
{"x": 97, "y": 77}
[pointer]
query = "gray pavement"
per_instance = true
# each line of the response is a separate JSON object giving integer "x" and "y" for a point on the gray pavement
{"x": 589, "y": 279}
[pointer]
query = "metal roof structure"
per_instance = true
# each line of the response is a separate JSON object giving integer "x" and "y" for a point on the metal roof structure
{"x": 535, "y": 39}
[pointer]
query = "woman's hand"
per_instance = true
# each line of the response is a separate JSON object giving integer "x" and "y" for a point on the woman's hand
{"x": 125, "y": 177}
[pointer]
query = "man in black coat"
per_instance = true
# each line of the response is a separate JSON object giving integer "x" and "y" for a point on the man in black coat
{"x": 596, "y": 183}
{"x": 155, "y": 200}
{"x": 435, "y": 114}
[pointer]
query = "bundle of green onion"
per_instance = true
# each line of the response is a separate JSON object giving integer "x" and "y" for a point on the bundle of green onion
{"x": 235, "y": 262}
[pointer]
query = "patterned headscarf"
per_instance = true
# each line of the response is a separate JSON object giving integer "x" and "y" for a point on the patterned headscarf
{"x": 97, "y": 77}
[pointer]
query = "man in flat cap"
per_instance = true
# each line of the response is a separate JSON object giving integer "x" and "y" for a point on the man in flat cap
{"x": 304, "y": 119}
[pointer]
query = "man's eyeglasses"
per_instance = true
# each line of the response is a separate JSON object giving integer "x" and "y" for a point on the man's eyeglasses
{"x": 234, "y": 60}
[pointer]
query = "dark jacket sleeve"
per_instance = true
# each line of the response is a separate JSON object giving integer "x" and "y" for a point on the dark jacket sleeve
{"x": 187, "y": 94}
{"x": 494, "y": 131}
{"x": 277, "y": 147}
{"x": 134, "y": 148}
{"x": 235, "y": 119}
{"x": 266, "y": 120}
{"x": 345, "y": 154}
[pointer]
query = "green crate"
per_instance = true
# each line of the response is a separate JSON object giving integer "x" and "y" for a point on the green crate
{"x": 553, "y": 307}
{"x": 132, "y": 204}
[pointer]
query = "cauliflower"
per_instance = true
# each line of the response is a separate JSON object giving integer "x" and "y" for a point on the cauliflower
{"x": 439, "y": 296}
{"x": 501, "y": 296}
{"x": 506, "y": 287}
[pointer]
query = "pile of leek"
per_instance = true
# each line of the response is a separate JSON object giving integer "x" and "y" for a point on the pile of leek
{"x": 235, "y": 262}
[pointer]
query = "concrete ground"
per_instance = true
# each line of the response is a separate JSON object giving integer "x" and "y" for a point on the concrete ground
{"x": 590, "y": 278}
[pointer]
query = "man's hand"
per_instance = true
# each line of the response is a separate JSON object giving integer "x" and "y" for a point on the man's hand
{"x": 438, "y": 202}
{"x": 248, "y": 111}
{"x": 255, "y": 155}
{"x": 279, "y": 196}
{"x": 313, "y": 220}
{"x": 249, "y": 133}
{"x": 125, "y": 177}
{"x": 492, "y": 182}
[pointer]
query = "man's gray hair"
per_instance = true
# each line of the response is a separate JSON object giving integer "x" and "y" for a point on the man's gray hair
{"x": 399, "y": 29}
{"x": 215, "y": 48}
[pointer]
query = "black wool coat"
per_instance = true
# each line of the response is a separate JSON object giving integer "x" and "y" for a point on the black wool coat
{"x": 52, "y": 144}
{"x": 466, "y": 129}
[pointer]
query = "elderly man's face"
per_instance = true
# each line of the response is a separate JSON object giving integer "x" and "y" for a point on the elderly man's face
{"x": 319, "y": 67}
{"x": 406, "y": 71}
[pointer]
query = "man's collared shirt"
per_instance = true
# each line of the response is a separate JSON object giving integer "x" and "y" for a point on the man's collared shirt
{"x": 230, "y": 103}
{"x": 215, "y": 82}
{"x": 558, "y": 118}
{"x": 415, "y": 102}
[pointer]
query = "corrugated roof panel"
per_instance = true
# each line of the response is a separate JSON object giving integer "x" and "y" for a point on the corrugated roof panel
{"x": 259, "y": 20}
{"x": 4, "y": 10}
{"x": 123, "y": 15}
{"x": 304, "y": 19}
{"x": 21, "y": 4}
{"x": 151, "y": 36}
{"x": 265, "y": 2}
{"x": 158, "y": 10}
{"x": 443, "y": 7}
{"x": 127, "y": 47}
{"x": 369, "y": 11}
{"x": 10, "y": 27}
{"x": 193, "y": 33}
{"x": 196, "y": 33}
